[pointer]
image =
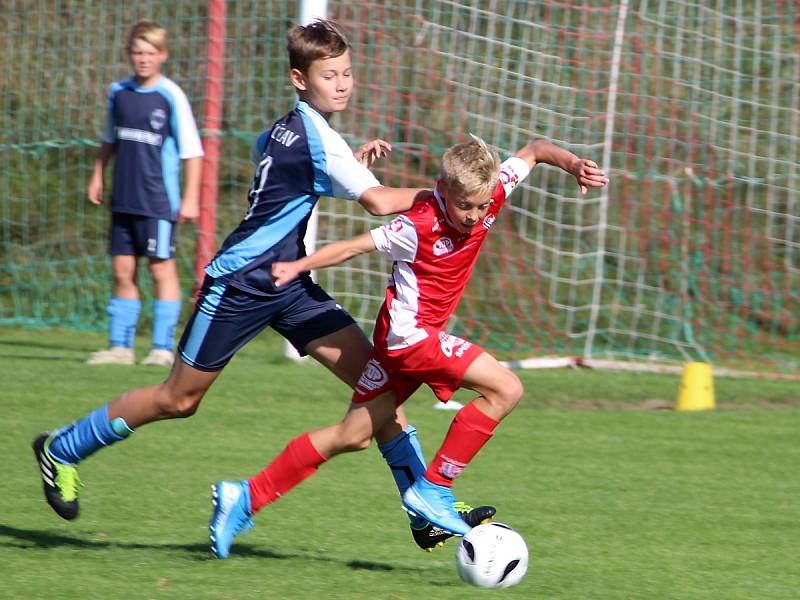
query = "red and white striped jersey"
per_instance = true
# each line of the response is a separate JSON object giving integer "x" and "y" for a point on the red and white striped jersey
{"x": 432, "y": 262}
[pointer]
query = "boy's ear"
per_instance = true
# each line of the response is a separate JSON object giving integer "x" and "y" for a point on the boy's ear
{"x": 298, "y": 79}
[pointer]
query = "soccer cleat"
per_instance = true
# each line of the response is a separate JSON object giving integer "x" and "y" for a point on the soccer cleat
{"x": 435, "y": 503}
{"x": 118, "y": 355}
{"x": 231, "y": 500}
{"x": 60, "y": 481}
{"x": 430, "y": 536}
{"x": 159, "y": 358}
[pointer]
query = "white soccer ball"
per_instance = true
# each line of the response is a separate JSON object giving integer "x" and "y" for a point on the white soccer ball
{"x": 492, "y": 555}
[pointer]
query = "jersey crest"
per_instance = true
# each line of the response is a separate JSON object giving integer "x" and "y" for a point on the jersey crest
{"x": 443, "y": 246}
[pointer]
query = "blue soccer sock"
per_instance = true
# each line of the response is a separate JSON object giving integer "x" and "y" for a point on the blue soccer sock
{"x": 73, "y": 443}
{"x": 404, "y": 456}
{"x": 124, "y": 314}
{"x": 165, "y": 319}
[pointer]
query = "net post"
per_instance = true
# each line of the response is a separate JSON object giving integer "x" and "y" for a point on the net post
{"x": 212, "y": 121}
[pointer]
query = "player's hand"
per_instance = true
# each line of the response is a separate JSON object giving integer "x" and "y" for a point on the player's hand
{"x": 284, "y": 272}
{"x": 587, "y": 174}
{"x": 371, "y": 151}
{"x": 189, "y": 212}
{"x": 95, "y": 191}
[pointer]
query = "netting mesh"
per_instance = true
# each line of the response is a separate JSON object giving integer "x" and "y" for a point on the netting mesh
{"x": 692, "y": 252}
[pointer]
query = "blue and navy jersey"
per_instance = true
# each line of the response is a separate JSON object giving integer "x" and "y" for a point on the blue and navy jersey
{"x": 152, "y": 129}
{"x": 299, "y": 159}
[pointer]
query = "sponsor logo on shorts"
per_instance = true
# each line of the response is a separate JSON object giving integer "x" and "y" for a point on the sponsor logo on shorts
{"x": 372, "y": 377}
{"x": 442, "y": 246}
{"x": 151, "y": 245}
{"x": 453, "y": 345}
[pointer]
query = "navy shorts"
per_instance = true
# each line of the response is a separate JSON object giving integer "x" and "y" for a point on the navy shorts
{"x": 135, "y": 235}
{"x": 225, "y": 318}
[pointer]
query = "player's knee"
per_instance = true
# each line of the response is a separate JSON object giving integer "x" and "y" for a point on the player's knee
{"x": 510, "y": 391}
{"x": 181, "y": 405}
{"x": 356, "y": 442}
{"x": 353, "y": 440}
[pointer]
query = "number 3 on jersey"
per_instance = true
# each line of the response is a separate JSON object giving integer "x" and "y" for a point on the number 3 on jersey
{"x": 260, "y": 180}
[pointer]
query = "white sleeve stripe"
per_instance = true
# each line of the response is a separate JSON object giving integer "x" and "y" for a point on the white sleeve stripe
{"x": 188, "y": 139}
{"x": 401, "y": 242}
{"x": 349, "y": 178}
{"x": 513, "y": 171}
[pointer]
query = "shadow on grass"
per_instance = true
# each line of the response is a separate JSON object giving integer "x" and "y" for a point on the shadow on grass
{"x": 64, "y": 353}
{"x": 26, "y": 539}
{"x": 71, "y": 359}
{"x": 44, "y": 345}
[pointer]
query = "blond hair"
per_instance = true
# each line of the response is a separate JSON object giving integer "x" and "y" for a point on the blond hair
{"x": 471, "y": 168}
{"x": 319, "y": 39}
{"x": 150, "y": 32}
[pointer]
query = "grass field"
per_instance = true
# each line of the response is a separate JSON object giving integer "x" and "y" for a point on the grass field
{"x": 615, "y": 501}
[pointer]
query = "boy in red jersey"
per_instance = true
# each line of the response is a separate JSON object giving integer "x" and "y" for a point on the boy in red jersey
{"x": 434, "y": 246}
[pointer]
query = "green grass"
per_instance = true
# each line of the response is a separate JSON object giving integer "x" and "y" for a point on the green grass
{"x": 614, "y": 501}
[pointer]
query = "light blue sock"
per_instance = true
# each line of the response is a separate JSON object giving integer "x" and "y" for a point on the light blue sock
{"x": 404, "y": 456}
{"x": 124, "y": 314}
{"x": 165, "y": 319}
{"x": 73, "y": 443}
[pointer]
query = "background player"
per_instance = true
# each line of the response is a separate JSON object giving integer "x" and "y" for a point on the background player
{"x": 149, "y": 129}
{"x": 434, "y": 247}
{"x": 300, "y": 158}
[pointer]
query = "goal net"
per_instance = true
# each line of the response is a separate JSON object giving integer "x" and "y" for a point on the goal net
{"x": 692, "y": 252}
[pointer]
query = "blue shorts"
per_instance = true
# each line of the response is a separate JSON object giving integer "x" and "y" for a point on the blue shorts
{"x": 225, "y": 318}
{"x": 135, "y": 235}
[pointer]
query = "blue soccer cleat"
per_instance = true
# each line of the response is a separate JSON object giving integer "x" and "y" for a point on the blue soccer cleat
{"x": 231, "y": 500}
{"x": 435, "y": 503}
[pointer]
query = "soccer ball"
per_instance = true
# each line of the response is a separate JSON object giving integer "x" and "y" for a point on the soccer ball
{"x": 492, "y": 555}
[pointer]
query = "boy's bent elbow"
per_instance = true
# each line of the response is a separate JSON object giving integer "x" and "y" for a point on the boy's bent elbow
{"x": 371, "y": 200}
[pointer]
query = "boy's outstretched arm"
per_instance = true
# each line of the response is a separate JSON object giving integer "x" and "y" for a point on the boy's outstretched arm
{"x": 327, "y": 256}
{"x": 381, "y": 201}
{"x": 585, "y": 171}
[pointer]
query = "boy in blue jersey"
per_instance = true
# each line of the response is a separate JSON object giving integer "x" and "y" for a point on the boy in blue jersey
{"x": 299, "y": 159}
{"x": 149, "y": 130}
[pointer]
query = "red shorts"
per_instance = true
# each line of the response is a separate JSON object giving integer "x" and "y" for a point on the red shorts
{"x": 439, "y": 361}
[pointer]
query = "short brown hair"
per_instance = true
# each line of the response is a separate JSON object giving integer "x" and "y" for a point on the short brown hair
{"x": 150, "y": 32}
{"x": 470, "y": 168}
{"x": 319, "y": 39}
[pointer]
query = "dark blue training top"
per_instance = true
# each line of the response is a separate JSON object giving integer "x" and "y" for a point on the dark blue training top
{"x": 298, "y": 160}
{"x": 152, "y": 129}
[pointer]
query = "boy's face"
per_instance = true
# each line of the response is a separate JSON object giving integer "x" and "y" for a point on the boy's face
{"x": 327, "y": 85}
{"x": 146, "y": 60}
{"x": 464, "y": 211}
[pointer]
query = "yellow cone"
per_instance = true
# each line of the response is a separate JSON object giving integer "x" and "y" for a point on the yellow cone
{"x": 697, "y": 387}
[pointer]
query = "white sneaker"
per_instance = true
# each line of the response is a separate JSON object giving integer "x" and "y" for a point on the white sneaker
{"x": 118, "y": 355}
{"x": 159, "y": 358}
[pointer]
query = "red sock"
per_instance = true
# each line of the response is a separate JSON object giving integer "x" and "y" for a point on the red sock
{"x": 468, "y": 433}
{"x": 298, "y": 461}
